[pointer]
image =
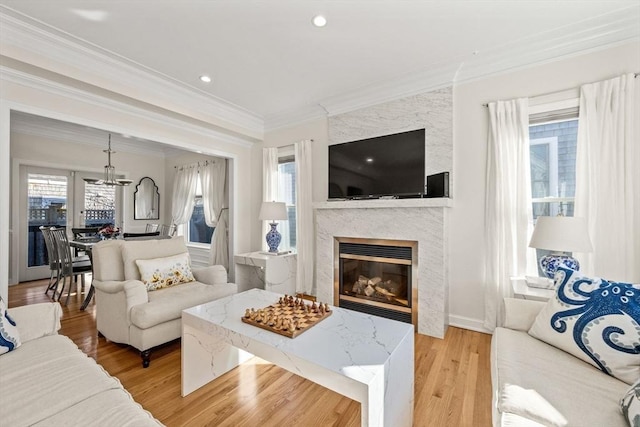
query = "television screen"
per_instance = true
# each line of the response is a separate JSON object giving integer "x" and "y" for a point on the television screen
{"x": 390, "y": 165}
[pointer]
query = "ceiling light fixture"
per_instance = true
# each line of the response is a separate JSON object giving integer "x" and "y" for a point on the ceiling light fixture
{"x": 204, "y": 78}
{"x": 319, "y": 21}
{"x": 109, "y": 172}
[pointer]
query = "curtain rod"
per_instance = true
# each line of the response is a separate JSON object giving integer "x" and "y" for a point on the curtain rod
{"x": 635, "y": 76}
{"x": 195, "y": 165}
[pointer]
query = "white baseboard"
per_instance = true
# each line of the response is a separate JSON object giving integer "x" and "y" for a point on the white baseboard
{"x": 468, "y": 323}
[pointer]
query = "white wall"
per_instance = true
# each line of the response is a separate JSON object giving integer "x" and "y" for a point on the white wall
{"x": 466, "y": 269}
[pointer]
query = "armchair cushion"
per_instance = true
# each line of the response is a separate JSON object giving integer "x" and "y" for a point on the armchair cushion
{"x": 212, "y": 275}
{"x": 158, "y": 273}
{"x": 167, "y": 304}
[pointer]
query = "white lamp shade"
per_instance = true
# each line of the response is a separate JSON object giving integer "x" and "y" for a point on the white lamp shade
{"x": 273, "y": 211}
{"x": 561, "y": 233}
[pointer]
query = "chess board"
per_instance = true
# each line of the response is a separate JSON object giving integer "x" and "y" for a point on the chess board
{"x": 289, "y": 317}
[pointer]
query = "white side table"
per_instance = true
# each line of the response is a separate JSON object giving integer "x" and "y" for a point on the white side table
{"x": 274, "y": 273}
{"x": 523, "y": 291}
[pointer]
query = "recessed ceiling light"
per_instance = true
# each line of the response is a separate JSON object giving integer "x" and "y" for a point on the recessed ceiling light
{"x": 369, "y": 159}
{"x": 204, "y": 78}
{"x": 319, "y": 21}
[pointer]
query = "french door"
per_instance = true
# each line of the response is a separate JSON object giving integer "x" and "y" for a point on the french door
{"x": 60, "y": 198}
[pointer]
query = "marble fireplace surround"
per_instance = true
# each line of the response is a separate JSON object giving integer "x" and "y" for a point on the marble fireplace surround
{"x": 421, "y": 220}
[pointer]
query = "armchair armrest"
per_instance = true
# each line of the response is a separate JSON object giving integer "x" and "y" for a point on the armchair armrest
{"x": 37, "y": 320}
{"x": 519, "y": 314}
{"x": 212, "y": 275}
{"x": 136, "y": 293}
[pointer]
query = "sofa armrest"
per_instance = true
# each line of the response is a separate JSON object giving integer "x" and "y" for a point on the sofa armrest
{"x": 136, "y": 293}
{"x": 109, "y": 286}
{"x": 37, "y": 320}
{"x": 212, "y": 275}
{"x": 519, "y": 314}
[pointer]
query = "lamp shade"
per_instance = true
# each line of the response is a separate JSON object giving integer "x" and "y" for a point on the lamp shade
{"x": 273, "y": 211}
{"x": 561, "y": 233}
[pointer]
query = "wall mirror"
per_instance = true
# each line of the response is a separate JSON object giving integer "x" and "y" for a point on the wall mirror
{"x": 146, "y": 200}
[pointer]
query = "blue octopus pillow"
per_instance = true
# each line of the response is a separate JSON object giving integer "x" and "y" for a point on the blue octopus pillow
{"x": 595, "y": 320}
{"x": 9, "y": 335}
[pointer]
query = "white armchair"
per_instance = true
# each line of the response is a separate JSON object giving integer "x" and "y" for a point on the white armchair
{"x": 126, "y": 312}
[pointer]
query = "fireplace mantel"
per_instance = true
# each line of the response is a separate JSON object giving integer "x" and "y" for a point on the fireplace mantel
{"x": 385, "y": 203}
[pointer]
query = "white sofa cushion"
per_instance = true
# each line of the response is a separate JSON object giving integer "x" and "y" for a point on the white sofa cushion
{"x": 579, "y": 391}
{"x": 167, "y": 304}
{"x": 595, "y": 320}
{"x": 158, "y": 273}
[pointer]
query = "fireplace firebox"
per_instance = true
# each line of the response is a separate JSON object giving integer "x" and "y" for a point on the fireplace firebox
{"x": 377, "y": 277}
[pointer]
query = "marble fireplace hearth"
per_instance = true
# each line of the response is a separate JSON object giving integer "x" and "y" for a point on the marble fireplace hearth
{"x": 421, "y": 220}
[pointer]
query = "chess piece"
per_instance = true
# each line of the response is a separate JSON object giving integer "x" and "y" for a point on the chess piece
{"x": 326, "y": 307}
{"x": 253, "y": 314}
{"x": 279, "y": 322}
{"x": 321, "y": 309}
{"x": 292, "y": 327}
{"x": 247, "y": 313}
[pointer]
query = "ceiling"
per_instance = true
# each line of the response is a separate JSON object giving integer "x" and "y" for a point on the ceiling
{"x": 266, "y": 58}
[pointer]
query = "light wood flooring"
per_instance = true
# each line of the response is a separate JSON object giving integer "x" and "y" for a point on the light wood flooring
{"x": 452, "y": 380}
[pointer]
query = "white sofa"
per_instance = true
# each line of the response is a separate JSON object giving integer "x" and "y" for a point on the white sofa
{"x": 581, "y": 393}
{"x": 129, "y": 314}
{"x": 48, "y": 381}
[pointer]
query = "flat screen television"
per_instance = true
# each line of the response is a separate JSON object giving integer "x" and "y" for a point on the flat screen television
{"x": 389, "y": 165}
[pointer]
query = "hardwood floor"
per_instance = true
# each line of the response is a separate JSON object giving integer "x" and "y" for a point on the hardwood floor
{"x": 452, "y": 380}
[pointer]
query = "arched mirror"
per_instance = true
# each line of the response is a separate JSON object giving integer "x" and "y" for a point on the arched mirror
{"x": 146, "y": 200}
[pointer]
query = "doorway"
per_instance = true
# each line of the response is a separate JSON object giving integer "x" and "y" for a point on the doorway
{"x": 61, "y": 198}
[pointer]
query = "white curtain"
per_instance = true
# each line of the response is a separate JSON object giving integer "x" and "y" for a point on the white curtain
{"x": 213, "y": 177}
{"x": 184, "y": 191}
{"x": 304, "y": 218}
{"x": 271, "y": 193}
{"x": 508, "y": 211}
{"x": 608, "y": 178}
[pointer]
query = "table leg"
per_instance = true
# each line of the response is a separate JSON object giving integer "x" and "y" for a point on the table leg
{"x": 205, "y": 358}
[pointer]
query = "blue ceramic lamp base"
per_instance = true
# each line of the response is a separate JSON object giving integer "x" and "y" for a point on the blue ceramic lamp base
{"x": 273, "y": 238}
{"x": 550, "y": 263}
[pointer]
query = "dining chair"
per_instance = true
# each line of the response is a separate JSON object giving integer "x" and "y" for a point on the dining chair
{"x": 141, "y": 236}
{"x": 151, "y": 228}
{"x": 168, "y": 230}
{"x": 52, "y": 255}
{"x": 69, "y": 267}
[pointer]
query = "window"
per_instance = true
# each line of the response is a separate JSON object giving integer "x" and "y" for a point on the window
{"x": 287, "y": 190}
{"x": 198, "y": 230}
{"x": 553, "y": 167}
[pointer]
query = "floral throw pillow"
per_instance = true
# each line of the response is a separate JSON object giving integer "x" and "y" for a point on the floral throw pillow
{"x": 9, "y": 335}
{"x": 595, "y": 320}
{"x": 630, "y": 405}
{"x": 161, "y": 273}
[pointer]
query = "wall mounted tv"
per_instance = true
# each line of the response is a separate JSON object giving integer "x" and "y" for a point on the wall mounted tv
{"x": 390, "y": 165}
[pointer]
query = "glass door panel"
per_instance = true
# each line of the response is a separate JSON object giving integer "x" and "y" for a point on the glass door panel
{"x": 99, "y": 205}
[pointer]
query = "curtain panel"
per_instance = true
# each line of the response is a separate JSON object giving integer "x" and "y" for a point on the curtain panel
{"x": 304, "y": 218}
{"x": 508, "y": 211}
{"x": 608, "y": 178}
{"x": 213, "y": 177}
{"x": 184, "y": 191}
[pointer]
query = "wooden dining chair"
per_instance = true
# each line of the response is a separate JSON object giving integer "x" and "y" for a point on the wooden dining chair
{"x": 52, "y": 255}
{"x": 168, "y": 230}
{"x": 69, "y": 268}
{"x": 151, "y": 228}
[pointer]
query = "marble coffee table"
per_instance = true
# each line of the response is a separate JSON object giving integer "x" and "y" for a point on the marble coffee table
{"x": 366, "y": 358}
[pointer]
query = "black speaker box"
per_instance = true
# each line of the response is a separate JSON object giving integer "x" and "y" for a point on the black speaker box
{"x": 438, "y": 185}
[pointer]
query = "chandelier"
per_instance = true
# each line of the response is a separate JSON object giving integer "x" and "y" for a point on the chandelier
{"x": 109, "y": 172}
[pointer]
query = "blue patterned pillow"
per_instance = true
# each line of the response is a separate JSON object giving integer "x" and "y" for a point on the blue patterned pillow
{"x": 596, "y": 320}
{"x": 9, "y": 335}
{"x": 630, "y": 404}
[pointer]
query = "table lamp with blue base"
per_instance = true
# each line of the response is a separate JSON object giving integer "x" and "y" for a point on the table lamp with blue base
{"x": 273, "y": 211}
{"x": 560, "y": 234}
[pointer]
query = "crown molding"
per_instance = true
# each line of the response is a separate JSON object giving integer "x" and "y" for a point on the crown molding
{"x": 294, "y": 117}
{"x": 90, "y": 63}
{"x": 29, "y": 80}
